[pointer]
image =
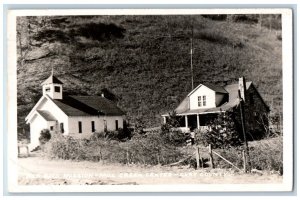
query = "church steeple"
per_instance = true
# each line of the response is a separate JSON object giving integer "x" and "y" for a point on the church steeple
{"x": 52, "y": 86}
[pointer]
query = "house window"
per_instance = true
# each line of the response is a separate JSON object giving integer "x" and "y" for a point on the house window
{"x": 93, "y": 126}
{"x": 204, "y": 100}
{"x": 117, "y": 124}
{"x": 57, "y": 89}
{"x": 199, "y": 101}
{"x": 47, "y": 89}
{"x": 62, "y": 128}
{"x": 79, "y": 127}
{"x": 51, "y": 128}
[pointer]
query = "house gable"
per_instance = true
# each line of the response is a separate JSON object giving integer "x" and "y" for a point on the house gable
{"x": 203, "y": 97}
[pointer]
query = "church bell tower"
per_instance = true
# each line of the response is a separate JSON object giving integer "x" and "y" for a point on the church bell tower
{"x": 52, "y": 87}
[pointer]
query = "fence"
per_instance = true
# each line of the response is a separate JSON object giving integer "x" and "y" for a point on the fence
{"x": 211, "y": 153}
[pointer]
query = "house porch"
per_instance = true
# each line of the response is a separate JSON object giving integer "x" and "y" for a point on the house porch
{"x": 195, "y": 121}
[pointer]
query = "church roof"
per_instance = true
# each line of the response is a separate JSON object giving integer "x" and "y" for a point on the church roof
{"x": 52, "y": 79}
{"x": 87, "y": 106}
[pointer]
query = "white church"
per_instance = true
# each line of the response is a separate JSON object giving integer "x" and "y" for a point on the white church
{"x": 71, "y": 115}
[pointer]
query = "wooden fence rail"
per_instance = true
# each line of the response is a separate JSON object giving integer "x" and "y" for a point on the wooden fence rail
{"x": 199, "y": 159}
{"x": 226, "y": 160}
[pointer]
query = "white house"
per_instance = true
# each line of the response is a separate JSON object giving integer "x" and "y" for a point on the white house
{"x": 206, "y": 101}
{"x": 78, "y": 116}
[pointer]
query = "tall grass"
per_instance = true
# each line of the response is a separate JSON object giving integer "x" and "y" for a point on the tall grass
{"x": 148, "y": 149}
{"x": 264, "y": 155}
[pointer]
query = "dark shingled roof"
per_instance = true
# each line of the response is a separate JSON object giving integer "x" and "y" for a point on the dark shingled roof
{"x": 52, "y": 79}
{"x": 46, "y": 115}
{"x": 216, "y": 88}
{"x": 87, "y": 106}
{"x": 233, "y": 101}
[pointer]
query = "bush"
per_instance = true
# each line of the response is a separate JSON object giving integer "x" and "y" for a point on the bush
{"x": 45, "y": 136}
{"x": 65, "y": 147}
{"x": 169, "y": 132}
{"x": 119, "y": 135}
{"x": 222, "y": 133}
{"x": 174, "y": 137}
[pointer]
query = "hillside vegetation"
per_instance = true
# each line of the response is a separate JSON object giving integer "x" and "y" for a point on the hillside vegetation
{"x": 145, "y": 60}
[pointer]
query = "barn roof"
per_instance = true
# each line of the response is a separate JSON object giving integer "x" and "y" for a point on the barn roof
{"x": 52, "y": 79}
{"x": 46, "y": 115}
{"x": 87, "y": 106}
{"x": 233, "y": 100}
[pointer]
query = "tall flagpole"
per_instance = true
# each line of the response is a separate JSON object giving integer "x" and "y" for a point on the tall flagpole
{"x": 192, "y": 71}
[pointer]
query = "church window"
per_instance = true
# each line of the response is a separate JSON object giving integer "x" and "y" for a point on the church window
{"x": 117, "y": 124}
{"x": 62, "y": 128}
{"x": 79, "y": 127}
{"x": 93, "y": 126}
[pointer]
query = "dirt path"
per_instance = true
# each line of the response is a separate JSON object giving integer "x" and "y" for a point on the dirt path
{"x": 38, "y": 170}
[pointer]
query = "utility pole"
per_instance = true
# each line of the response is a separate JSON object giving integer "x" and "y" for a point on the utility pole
{"x": 246, "y": 148}
{"x": 192, "y": 71}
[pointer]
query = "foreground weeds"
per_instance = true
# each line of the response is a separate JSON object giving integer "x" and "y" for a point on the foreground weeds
{"x": 152, "y": 149}
{"x": 147, "y": 149}
{"x": 265, "y": 154}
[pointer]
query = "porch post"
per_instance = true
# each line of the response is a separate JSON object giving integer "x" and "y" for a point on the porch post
{"x": 198, "y": 122}
{"x": 186, "y": 121}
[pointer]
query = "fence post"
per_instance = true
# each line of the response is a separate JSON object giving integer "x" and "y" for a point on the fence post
{"x": 127, "y": 156}
{"x": 27, "y": 150}
{"x": 244, "y": 161}
{"x": 210, "y": 156}
{"x": 197, "y": 157}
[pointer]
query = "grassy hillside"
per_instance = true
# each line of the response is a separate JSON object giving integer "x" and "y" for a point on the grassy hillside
{"x": 145, "y": 60}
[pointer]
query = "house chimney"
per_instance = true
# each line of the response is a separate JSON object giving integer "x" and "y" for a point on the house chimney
{"x": 242, "y": 87}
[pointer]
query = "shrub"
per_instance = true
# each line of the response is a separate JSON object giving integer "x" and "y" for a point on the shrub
{"x": 120, "y": 135}
{"x": 45, "y": 136}
{"x": 65, "y": 147}
{"x": 222, "y": 133}
{"x": 174, "y": 137}
{"x": 169, "y": 132}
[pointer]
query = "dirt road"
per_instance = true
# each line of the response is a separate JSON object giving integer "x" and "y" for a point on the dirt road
{"x": 39, "y": 170}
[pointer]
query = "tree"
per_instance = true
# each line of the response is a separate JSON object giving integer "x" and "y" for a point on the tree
{"x": 222, "y": 133}
{"x": 45, "y": 136}
{"x": 172, "y": 122}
